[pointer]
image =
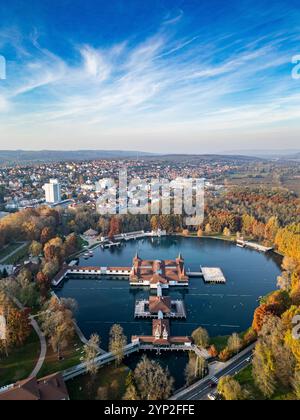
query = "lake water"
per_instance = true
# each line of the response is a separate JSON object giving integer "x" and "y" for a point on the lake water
{"x": 221, "y": 309}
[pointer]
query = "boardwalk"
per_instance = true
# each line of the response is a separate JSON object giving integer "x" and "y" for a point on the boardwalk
{"x": 135, "y": 347}
{"x": 253, "y": 245}
{"x": 90, "y": 271}
{"x": 42, "y": 339}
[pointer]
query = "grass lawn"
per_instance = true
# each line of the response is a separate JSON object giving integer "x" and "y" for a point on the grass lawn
{"x": 220, "y": 342}
{"x": 245, "y": 378}
{"x": 18, "y": 256}
{"x": 20, "y": 362}
{"x": 7, "y": 250}
{"x": 111, "y": 378}
{"x": 71, "y": 357}
{"x": 82, "y": 242}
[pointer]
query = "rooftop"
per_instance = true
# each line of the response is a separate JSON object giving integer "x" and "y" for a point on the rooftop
{"x": 159, "y": 272}
{"x": 50, "y": 388}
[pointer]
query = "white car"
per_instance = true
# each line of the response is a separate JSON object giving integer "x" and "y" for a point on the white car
{"x": 213, "y": 396}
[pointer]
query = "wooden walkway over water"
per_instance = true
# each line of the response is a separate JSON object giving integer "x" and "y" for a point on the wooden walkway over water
{"x": 109, "y": 358}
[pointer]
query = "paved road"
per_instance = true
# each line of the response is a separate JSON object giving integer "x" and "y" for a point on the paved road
{"x": 42, "y": 339}
{"x": 43, "y": 351}
{"x": 203, "y": 388}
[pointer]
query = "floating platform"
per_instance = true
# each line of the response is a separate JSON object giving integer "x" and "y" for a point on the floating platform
{"x": 213, "y": 275}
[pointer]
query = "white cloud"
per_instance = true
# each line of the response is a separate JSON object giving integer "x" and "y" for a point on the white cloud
{"x": 95, "y": 64}
{"x": 163, "y": 85}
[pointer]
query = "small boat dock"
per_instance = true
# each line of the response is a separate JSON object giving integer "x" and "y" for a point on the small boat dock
{"x": 213, "y": 275}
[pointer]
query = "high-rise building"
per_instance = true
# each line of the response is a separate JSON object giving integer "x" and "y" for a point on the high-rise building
{"x": 52, "y": 191}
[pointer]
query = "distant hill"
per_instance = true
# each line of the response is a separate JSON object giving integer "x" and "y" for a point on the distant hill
{"x": 295, "y": 156}
{"x": 24, "y": 156}
{"x": 13, "y": 157}
{"x": 208, "y": 158}
{"x": 267, "y": 154}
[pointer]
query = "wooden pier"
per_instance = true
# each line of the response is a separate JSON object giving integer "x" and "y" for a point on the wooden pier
{"x": 122, "y": 272}
{"x": 257, "y": 247}
{"x": 110, "y": 245}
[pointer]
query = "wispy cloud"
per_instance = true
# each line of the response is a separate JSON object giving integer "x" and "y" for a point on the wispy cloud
{"x": 188, "y": 82}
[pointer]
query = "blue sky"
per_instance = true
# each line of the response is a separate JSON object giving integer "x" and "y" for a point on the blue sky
{"x": 154, "y": 75}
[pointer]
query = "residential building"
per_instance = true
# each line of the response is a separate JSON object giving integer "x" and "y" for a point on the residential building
{"x": 52, "y": 191}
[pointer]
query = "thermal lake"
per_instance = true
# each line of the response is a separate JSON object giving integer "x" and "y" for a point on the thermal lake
{"x": 221, "y": 309}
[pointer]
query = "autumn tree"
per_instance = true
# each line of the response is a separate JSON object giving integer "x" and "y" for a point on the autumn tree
{"x": 279, "y": 299}
{"x": 231, "y": 390}
{"x": 46, "y": 234}
{"x": 273, "y": 361}
{"x": 264, "y": 369}
{"x": 117, "y": 342}
{"x": 90, "y": 352}
{"x": 54, "y": 250}
{"x": 271, "y": 229}
{"x": 58, "y": 324}
{"x": 213, "y": 351}
{"x": 17, "y": 325}
{"x": 200, "y": 233}
{"x": 71, "y": 245}
{"x": 296, "y": 384}
{"x": 115, "y": 227}
{"x": 43, "y": 284}
{"x": 50, "y": 268}
{"x": 235, "y": 343}
{"x": 226, "y": 232}
{"x": 36, "y": 248}
{"x": 201, "y": 337}
{"x": 151, "y": 381}
{"x": 261, "y": 313}
{"x": 195, "y": 369}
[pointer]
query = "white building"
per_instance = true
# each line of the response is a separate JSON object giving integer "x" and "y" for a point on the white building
{"x": 52, "y": 191}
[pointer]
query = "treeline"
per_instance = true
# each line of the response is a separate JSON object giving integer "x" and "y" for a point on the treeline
{"x": 261, "y": 203}
{"x": 226, "y": 211}
{"x": 276, "y": 363}
{"x": 17, "y": 328}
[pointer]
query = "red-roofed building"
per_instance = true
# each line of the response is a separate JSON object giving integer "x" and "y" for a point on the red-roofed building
{"x": 160, "y": 304}
{"x": 154, "y": 273}
{"x": 161, "y": 336}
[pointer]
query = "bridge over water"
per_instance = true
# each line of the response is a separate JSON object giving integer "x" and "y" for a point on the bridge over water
{"x": 135, "y": 347}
